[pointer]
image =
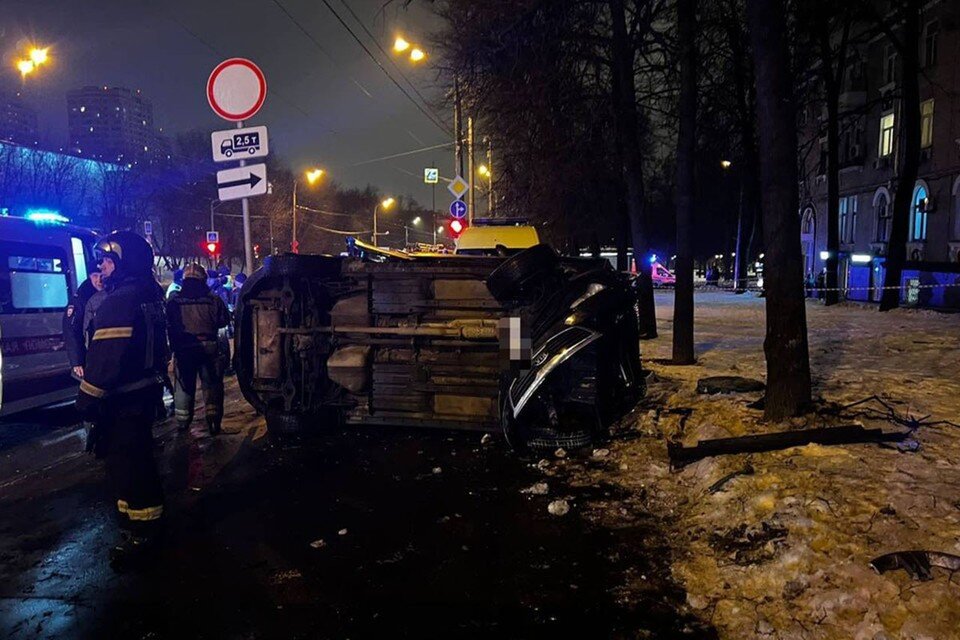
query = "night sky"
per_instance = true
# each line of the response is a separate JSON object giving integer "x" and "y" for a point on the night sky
{"x": 333, "y": 109}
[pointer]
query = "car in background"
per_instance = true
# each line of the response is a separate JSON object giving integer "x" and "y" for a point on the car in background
{"x": 496, "y": 237}
{"x": 661, "y": 276}
{"x": 43, "y": 261}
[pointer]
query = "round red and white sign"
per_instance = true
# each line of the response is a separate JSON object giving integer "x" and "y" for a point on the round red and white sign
{"x": 236, "y": 89}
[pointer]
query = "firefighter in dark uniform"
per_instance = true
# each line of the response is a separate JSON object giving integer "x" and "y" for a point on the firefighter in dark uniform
{"x": 194, "y": 317}
{"x": 122, "y": 381}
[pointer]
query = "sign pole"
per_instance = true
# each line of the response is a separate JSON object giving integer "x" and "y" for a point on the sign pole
{"x": 247, "y": 243}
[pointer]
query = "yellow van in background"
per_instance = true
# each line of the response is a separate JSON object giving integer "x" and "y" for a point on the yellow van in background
{"x": 496, "y": 237}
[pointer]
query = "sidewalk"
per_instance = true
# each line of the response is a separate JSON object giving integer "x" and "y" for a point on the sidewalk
{"x": 784, "y": 552}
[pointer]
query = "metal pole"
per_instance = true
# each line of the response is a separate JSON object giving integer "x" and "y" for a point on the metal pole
{"x": 376, "y": 206}
{"x": 434, "y": 212}
{"x": 470, "y": 199}
{"x": 212, "y": 202}
{"x": 247, "y": 243}
{"x": 490, "y": 176}
{"x": 457, "y": 128}
{"x": 293, "y": 243}
{"x": 406, "y": 236}
{"x": 270, "y": 222}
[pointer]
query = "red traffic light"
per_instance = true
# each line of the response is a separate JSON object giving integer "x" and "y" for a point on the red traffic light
{"x": 456, "y": 227}
{"x": 213, "y": 248}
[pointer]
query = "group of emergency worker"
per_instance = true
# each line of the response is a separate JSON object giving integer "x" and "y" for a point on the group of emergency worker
{"x": 120, "y": 333}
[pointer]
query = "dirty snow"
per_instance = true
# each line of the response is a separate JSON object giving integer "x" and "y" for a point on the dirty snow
{"x": 784, "y": 551}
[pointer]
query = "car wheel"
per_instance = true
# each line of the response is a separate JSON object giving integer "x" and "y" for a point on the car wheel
{"x": 291, "y": 264}
{"x": 522, "y": 271}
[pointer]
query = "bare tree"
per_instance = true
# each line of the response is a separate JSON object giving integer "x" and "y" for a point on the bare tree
{"x": 785, "y": 346}
{"x": 683, "y": 350}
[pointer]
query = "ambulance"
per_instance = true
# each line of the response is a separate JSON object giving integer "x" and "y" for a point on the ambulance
{"x": 43, "y": 261}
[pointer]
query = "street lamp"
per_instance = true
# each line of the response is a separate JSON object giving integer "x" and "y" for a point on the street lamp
{"x": 39, "y": 56}
{"x": 726, "y": 164}
{"x": 312, "y": 176}
{"x": 35, "y": 57}
{"x": 416, "y": 55}
{"x": 400, "y": 45}
{"x": 383, "y": 204}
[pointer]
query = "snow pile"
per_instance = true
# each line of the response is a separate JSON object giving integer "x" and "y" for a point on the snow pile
{"x": 784, "y": 549}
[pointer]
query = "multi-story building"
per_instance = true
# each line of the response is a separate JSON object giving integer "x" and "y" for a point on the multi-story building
{"x": 870, "y": 106}
{"x": 18, "y": 120}
{"x": 113, "y": 124}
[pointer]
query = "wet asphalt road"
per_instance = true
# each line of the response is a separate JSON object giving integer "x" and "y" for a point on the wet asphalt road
{"x": 424, "y": 534}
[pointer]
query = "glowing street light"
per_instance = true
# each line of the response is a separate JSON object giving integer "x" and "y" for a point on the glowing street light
{"x": 726, "y": 164}
{"x": 416, "y": 55}
{"x": 312, "y": 175}
{"x": 25, "y": 67}
{"x": 400, "y": 45}
{"x": 38, "y": 56}
{"x": 484, "y": 171}
{"x": 384, "y": 204}
{"x": 416, "y": 221}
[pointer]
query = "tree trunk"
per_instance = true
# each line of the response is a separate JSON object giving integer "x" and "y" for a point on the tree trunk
{"x": 686, "y": 149}
{"x": 785, "y": 346}
{"x": 832, "y": 83}
{"x": 746, "y": 123}
{"x": 909, "y": 158}
{"x": 625, "y": 113}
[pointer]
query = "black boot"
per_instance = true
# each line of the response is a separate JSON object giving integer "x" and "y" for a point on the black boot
{"x": 214, "y": 425}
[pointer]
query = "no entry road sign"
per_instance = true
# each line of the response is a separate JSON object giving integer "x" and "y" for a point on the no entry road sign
{"x": 236, "y": 89}
{"x": 242, "y": 182}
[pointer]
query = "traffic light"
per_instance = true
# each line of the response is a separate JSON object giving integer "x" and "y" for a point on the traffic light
{"x": 457, "y": 226}
{"x": 213, "y": 249}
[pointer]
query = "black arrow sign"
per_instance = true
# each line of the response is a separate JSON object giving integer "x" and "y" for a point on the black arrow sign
{"x": 251, "y": 182}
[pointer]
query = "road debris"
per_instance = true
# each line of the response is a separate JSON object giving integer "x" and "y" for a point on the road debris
{"x": 318, "y": 544}
{"x": 917, "y": 564}
{"x": 437, "y": 471}
{"x": 852, "y": 434}
{"x": 728, "y": 384}
{"x": 750, "y": 545}
{"x": 487, "y": 439}
{"x": 560, "y": 453}
{"x": 543, "y": 464}
{"x": 601, "y": 453}
{"x": 537, "y": 489}
{"x": 717, "y": 486}
{"x": 342, "y": 532}
{"x": 558, "y": 508}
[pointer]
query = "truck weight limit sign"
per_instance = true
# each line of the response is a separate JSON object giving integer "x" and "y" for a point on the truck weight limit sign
{"x": 236, "y": 89}
{"x": 239, "y": 144}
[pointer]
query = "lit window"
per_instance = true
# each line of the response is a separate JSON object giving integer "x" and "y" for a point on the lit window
{"x": 82, "y": 109}
{"x": 886, "y": 135}
{"x": 926, "y": 124}
{"x": 918, "y": 222}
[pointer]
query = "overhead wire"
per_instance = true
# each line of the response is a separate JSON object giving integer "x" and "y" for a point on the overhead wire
{"x": 387, "y": 56}
{"x": 440, "y": 124}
